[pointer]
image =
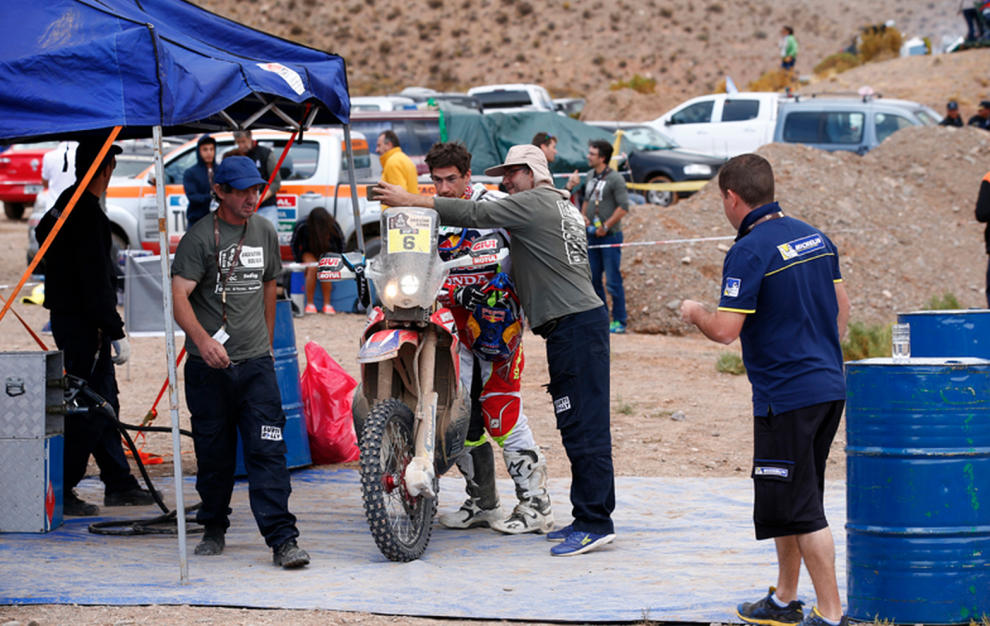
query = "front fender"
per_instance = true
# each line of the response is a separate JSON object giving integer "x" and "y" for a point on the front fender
{"x": 384, "y": 345}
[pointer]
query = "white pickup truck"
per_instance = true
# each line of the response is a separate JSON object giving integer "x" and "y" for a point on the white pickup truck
{"x": 722, "y": 125}
{"x": 314, "y": 174}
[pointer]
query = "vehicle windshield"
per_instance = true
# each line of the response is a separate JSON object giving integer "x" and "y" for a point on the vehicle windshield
{"x": 130, "y": 167}
{"x": 647, "y": 138}
{"x": 408, "y": 272}
{"x": 504, "y": 99}
{"x": 926, "y": 118}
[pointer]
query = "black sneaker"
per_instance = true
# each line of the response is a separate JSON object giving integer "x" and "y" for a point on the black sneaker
{"x": 289, "y": 555}
{"x": 212, "y": 543}
{"x": 74, "y": 507}
{"x": 132, "y": 497}
{"x": 765, "y": 611}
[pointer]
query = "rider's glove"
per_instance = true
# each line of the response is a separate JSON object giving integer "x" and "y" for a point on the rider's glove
{"x": 121, "y": 351}
{"x": 469, "y": 296}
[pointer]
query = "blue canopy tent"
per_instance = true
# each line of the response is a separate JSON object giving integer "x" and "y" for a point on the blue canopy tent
{"x": 72, "y": 68}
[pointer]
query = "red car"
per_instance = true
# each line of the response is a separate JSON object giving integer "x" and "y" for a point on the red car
{"x": 20, "y": 176}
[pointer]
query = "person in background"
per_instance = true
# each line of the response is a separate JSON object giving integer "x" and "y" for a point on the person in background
{"x": 58, "y": 170}
{"x": 197, "y": 181}
{"x": 782, "y": 296}
{"x": 788, "y": 48}
{"x": 397, "y": 168}
{"x": 606, "y": 202}
{"x": 266, "y": 162}
{"x": 548, "y": 144}
{"x": 983, "y": 215}
{"x": 314, "y": 237}
{"x": 982, "y": 117}
{"x": 81, "y": 294}
{"x": 952, "y": 117}
{"x": 223, "y": 286}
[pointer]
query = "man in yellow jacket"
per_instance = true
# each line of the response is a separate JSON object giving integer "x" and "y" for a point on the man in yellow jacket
{"x": 397, "y": 168}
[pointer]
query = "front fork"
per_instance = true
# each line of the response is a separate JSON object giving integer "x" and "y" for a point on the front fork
{"x": 419, "y": 476}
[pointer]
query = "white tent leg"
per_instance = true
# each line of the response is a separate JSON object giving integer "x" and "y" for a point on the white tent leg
{"x": 173, "y": 395}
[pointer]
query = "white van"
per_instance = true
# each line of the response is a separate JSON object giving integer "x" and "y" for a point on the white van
{"x": 720, "y": 124}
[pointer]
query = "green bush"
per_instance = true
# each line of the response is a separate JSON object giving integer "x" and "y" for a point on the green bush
{"x": 836, "y": 64}
{"x": 879, "y": 46}
{"x": 730, "y": 363}
{"x": 774, "y": 80}
{"x": 863, "y": 342}
{"x": 947, "y": 302}
{"x": 639, "y": 84}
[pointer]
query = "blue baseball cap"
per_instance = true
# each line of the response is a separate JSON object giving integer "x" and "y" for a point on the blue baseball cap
{"x": 239, "y": 172}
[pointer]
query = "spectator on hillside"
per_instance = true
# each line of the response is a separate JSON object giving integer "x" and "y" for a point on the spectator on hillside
{"x": 788, "y": 48}
{"x": 974, "y": 23}
{"x": 952, "y": 117}
{"x": 982, "y": 117}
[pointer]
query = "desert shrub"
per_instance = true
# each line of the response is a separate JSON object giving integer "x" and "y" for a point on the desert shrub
{"x": 880, "y": 45}
{"x": 773, "y": 80}
{"x": 947, "y": 302}
{"x": 639, "y": 84}
{"x": 730, "y": 363}
{"x": 863, "y": 342}
{"x": 837, "y": 63}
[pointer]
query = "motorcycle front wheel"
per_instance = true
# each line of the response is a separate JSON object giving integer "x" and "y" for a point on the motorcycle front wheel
{"x": 400, "y": 523}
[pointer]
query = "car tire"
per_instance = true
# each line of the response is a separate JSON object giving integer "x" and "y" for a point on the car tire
{"x": 13, "y": 210}
{"x": 661, "y": 198}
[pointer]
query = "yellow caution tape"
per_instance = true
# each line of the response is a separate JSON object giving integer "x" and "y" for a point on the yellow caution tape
{"x": 686, "y": 185}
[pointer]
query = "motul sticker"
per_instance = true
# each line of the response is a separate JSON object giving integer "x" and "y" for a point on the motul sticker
{"x": 271, "y": 433}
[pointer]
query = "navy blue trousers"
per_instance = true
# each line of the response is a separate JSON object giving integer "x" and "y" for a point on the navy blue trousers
{"x": 222, "y": 402}
{"x": 86, "y": 354}
{"x": 578, "y": 360}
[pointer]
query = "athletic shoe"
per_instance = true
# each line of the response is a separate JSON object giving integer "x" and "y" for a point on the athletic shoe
{"x": 289, "y": 555}
{"x": 328, "y": 309}
{"x": 131, "y": 497}
{"x": 817, "y": 619}
{"x": 765, "y": 611}
{"x": 579, "y": 542}
{"x": 211, "y": 544}
{"x": 529, "y": 516}
{"x": 470, "y": 515}
{"x": 617, "y": 328}
{"x": 74, "y": 507}
{"x": 310, "y": 308}
{"x": 561, "y": 533}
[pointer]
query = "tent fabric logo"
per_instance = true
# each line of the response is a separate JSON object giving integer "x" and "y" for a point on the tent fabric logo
{"x": 290, "y": 76}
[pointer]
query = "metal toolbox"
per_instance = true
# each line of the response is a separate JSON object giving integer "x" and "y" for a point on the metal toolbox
{"x": 31, "y": 484}
{"x": 32, "y": 394}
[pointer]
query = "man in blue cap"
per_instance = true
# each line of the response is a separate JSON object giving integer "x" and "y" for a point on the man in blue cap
{"x": 223, "y": 286}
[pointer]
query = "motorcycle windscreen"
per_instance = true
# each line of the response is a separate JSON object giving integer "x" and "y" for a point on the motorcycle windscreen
{"x": 408, "y": 273}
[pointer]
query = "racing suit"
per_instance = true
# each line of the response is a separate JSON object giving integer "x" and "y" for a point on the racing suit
{"x": 491, "y": 366}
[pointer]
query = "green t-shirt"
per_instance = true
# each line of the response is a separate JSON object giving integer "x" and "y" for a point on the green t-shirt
{"x": 604, "y": 194}
{"x": 549, "y": 248}
{"x": 259, "y": 261}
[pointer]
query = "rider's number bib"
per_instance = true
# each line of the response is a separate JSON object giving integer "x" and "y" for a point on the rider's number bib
{"x": 409, "y": 233}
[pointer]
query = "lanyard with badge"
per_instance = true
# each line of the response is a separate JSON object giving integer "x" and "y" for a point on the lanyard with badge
{"x": 221, "y": 334}
{"x": 596, "y": 187}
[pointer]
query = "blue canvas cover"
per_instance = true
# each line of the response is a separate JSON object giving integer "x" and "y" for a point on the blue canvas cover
{"x": 80, "y": 65}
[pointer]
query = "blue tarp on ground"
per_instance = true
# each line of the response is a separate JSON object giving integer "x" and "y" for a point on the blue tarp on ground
{"x": 76, "y": 65}
{"x": 684, "y": 552}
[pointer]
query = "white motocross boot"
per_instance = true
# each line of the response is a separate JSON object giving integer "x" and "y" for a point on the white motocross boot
{"x": 481, "y": 508}
{"x": 528, "y": 469}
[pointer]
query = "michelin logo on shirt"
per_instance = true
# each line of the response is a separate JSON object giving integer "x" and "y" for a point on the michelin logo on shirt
{"x": 802, "y": 246}
{"x": 732, "y": 286}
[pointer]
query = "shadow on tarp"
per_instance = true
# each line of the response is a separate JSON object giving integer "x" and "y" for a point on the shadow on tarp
{"x": 684, "y": 552}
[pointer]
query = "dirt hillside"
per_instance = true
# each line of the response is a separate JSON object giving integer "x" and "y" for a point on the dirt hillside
{"x": 901, "y": 216}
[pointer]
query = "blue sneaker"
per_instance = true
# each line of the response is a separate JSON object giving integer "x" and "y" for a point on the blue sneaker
{"x": 766, "y": 612}
{"x": 817, "y": 619}
{"x": 561, "y": 533}
{"x": 579, "y": 542}
{"x": 617, "y": 328}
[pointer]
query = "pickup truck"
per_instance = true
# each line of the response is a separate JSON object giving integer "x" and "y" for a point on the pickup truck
{"x": 314, "y": 174}
{"x": 722, "y": 125}
{"x": 513, "y": 97}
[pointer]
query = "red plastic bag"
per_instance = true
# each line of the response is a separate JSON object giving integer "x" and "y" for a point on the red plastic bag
{"x": 327, "y": 391}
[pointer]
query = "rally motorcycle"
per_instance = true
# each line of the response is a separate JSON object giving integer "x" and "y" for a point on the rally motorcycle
{"x": 419, "y": 415}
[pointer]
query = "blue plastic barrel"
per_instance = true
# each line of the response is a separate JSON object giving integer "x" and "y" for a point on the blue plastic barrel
{"x": 949, "y": 333}
{"x": 918, "y": 490}
{"x": 287, "y": 373}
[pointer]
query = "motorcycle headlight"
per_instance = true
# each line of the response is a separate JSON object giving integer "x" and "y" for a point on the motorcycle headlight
{"x": 409, "y": 284}
{"x": 391, "y": 290}
{"x": 698, "y": 169}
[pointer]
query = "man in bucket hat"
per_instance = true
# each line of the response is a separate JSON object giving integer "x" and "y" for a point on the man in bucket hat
{"x": 223, "y": 286}
{"x": 549, "y": 250}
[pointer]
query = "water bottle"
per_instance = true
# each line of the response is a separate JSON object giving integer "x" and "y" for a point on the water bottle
{"x": 900, "y": 342}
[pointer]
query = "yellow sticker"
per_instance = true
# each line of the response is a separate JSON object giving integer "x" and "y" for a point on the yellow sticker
{"x": 409, "y": 233}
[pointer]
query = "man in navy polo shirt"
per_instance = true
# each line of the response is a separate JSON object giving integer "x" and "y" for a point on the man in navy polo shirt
{"x": 782, "y": 295}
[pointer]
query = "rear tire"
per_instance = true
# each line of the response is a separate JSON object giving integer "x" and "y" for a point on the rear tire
{"x": 400, "y": 524}
{"x": 661, "y": 198}
{"x": 13, "y": 210}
